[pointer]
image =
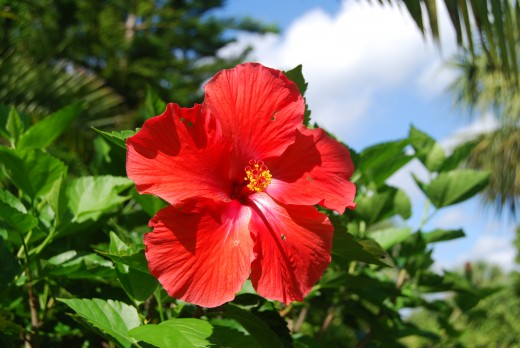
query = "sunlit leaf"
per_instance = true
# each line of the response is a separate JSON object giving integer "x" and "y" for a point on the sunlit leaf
{"x": 111, "y": 317}
{"x": 377, "y": 163}
{"x": 88, "y": 266}
{"x": 32, "y": 171}
{"x": 440, "y": 235}
{"x": 16, "y": 219}
{"x": 427, "y": 150}
{"x": 402, "y": 204}
{"x": 389, "y": 237}
{"x": 150, "y": 204}
{"x": 175, "y": 333}
{"x": 454, "y": 186}
{"x": 90, "y": 197}
{"x": 117, "y": 138}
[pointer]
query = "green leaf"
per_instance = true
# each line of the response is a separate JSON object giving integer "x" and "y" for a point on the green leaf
{"x": 458, "y": 155}
{"x": 296, "y": 76}
{"x": 427, "y": 150}
{"x": 32, "y": 171}
{"x": 344, "y": 245}
{"x": 402, "y": 204}
{"x": 440, "y": 235}
{"x": 377, "y": 163}
{"x": 153, "y": 105}
{"x": 260, "y": 331}
{"x": 9, "y": 198}
{"x": 117, "y": 138}
{"x": 135, "y": 279}
{"x": 389, "y": 237}
{"x": 14, "y": 126}
{"x": 175, "y": 333}
{"x": 454, "y": 186}
{"x": 43, "y": 133}
{"x": 90, "y": 197}
{"x": 9, "y": 265}
{"x": 150, "y": 204}
{"x": 14, "y": 168}
{"x": 73, "y": 266}
{"x": 377, "y": 206}
{"x": 57, "y": 197}
{"x": 225, "y": 336}
{"x": 4, "y": 115}
{"x": 111, "y": 317}
{"x": 16, "y": 219}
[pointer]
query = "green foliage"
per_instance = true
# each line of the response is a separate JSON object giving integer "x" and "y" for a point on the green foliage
{"x": 175, "y": 333}
{"x": 170, "y": 45}
{"x": 296, "y": 76}
{"x": 111, "y": 317}
{"x": 73, "y": 244}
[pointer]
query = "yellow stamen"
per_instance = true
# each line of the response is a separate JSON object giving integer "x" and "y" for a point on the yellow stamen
{"x": 257, "y": 176}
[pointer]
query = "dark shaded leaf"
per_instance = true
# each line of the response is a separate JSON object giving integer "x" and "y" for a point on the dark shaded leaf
{"x": 8, "y": 264}
{"x": 368, "y": 251}
{"x": 132, "y": 269}
{"x": 153, "y": 105}
{"x": 43, "y": 133}
{"x": 259, "y": 330}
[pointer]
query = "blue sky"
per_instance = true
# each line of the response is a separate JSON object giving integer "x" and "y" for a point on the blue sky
{"x": 371, "y": 75}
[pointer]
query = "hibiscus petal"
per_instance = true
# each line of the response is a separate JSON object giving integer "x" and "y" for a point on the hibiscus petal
{"x": 314, "y": 170}
{"x": 201, "y": 253}
{"x": 259, "y": 109}
{"x": 292, "y": 248}
{"x": 180, "y": 154}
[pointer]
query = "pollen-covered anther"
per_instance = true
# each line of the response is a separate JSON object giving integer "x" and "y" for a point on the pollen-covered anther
{"x": 257, "y": 176}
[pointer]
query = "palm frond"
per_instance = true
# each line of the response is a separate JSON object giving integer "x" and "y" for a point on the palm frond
{"x": 498, "y": 152}
{"x": 39, "y": 88}
{"x": 488, "y": 25}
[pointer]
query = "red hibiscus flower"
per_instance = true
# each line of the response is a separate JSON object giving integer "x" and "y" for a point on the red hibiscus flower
{"x": 243, "y": 176}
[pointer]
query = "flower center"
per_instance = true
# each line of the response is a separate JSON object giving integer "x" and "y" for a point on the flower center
{"x": 257, "y": 176}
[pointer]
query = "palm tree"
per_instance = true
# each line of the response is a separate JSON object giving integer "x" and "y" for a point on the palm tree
{"x": 484, "y": 28}
{"x": 488, "y": 34}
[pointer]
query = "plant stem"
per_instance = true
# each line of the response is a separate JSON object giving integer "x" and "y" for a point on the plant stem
{"x": 425, "y": 217}
{"x": 326, "y": 322}
{"x": 31, "y": 338}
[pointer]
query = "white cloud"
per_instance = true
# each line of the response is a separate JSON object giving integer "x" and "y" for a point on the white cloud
{"x": 484, "y": 124}
{"x": 452, "y": 218}
{"x": 348, "y": 58}
{"x": 495, "y": 250}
